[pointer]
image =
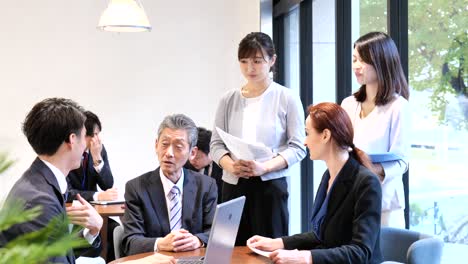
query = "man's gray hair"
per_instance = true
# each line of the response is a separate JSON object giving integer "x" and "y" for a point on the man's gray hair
{"x": 180, "y": 121}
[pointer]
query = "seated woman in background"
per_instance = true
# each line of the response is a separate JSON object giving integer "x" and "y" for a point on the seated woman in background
{"x": 346, "y": 212}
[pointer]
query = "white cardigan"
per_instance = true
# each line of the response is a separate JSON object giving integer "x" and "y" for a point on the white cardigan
{"x": 385, "y": 129}
{"x": 281, "y": 127}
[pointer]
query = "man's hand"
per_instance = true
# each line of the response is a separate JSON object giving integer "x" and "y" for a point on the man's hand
{"x": 185, "y": 241}
{"x": 109, "y": 195}
{"x": 95, "y": 148}
{"x": 180, "y": 240}
{"x": 154, "y": 259}
{"x": 291, "y": 256}
{"x": 265, "y": 243}
{"x": 85, "y": 215}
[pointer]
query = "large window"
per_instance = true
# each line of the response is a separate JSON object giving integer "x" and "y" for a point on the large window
{"x": 292, "y": 81}
{"x": 437, "y": 51}
{"x": 438, "y": 79}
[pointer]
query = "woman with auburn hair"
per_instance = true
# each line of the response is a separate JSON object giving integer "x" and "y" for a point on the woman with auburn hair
{"x": 346, "y": 212}
{"x": 379, "y": 114}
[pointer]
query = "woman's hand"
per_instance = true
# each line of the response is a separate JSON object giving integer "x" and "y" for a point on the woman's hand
{"x": 265, "y": 243}
{"x": 379, "y": 170}
{"x": 249, "y": 168}
{"x": 291, "y": 256}
{"x": 254, "y": 168}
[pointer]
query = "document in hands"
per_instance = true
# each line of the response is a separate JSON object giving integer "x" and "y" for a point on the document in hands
{"x": 259, "y": 251}
{"x": 243, "y": 150}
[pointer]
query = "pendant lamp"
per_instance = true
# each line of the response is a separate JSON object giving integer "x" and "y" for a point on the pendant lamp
{"x": 124, "y": 16}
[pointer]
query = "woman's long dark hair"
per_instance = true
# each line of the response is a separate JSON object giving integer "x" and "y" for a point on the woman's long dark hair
{"x": 379, "y": 50}
{"x": 334, "y": 118}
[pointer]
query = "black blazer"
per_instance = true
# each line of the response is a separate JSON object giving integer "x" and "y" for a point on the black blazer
{"x": 216, "y": 173}
{"x": 104, "y": 179}
{"x": 38, "y": 186}
{"x": 146, "y": 216}
{"x": 351, "y": 228}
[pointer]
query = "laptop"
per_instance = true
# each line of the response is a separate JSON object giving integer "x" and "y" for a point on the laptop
{"x": 222, "y": 236}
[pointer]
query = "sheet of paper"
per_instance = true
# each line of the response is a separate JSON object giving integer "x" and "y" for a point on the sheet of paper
{"x": 243, "y": 150}
{"x": 260, "y": 252}
{"x": 108, "y": 202}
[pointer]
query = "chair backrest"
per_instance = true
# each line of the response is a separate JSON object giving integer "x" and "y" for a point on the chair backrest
{"x": 409, "y": 247}
{"x": 118, "y": 236}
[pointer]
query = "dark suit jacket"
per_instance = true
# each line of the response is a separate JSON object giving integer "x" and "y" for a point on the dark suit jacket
{"x": 216, "y": 173}
{"x": 351, "y": 228}
{"x": 104, "y": 179}
{"x": 38, "y": 186}
{"x": 146, "y": 216}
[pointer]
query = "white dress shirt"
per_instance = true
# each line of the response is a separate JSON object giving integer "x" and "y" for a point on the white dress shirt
{"x": 167, "y": 186}
{"x": 385, "y": 129}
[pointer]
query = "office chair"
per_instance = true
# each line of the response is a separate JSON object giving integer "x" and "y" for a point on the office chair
{"x": 118, "y": 236}
{"x": 410, "y": 247}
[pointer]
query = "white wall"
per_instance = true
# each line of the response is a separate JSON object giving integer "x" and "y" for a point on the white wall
{"x": 51, "y": 48}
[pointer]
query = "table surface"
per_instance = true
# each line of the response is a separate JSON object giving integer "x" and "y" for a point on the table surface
{"x": 240, "y": 255}
{"x": 110, "y": 209}
{"x": 106, "y": 211}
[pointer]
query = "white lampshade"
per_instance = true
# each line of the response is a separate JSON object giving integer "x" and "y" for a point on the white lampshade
{"x": 124, "y": 16}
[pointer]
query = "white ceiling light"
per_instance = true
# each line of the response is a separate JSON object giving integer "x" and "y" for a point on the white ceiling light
{"x": 124, "y": 16}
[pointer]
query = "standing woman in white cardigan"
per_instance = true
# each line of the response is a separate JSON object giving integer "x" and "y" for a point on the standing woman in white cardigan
{"x": 264, "y": 112}
{"x": 379, "y": 113}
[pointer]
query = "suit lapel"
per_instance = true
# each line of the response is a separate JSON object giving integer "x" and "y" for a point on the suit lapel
{"x": 158, "y": 200}
{"x": 188, "y": 199}
{"x": 50, "y": 178}
{"x": 341, "y": 188}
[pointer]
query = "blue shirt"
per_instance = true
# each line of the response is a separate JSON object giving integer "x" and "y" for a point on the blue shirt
{"x": 319, "y": 210}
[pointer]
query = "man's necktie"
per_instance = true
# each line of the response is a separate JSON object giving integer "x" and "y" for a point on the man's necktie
{"x": 176, "y": 208}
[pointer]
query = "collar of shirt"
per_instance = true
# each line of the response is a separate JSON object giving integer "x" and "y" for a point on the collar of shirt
{"x": 58, "y": 175}
{"x": 168, "y": 184}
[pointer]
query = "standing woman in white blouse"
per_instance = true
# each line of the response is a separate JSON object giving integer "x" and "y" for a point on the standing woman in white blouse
{"x": 264, "y": 112}
{"x": 379, "y": 113}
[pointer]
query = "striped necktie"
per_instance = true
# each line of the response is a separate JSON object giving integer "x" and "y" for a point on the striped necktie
{"x": 176, "y": 208}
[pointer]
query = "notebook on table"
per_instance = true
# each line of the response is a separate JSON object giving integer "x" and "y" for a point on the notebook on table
{"x": 222, "y": 236}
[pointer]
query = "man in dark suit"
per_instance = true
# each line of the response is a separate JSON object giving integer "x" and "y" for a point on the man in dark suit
{"x": 202, "y": 161}
{"x": 55, "y": 130}
{"x": 94, "y": 170}
{"x": 170, "y": 208}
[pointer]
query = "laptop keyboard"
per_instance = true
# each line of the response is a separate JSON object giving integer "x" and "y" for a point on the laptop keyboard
{"x": 190, "y": 260}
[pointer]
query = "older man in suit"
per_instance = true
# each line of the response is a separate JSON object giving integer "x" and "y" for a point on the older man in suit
{"x": 170, "y": 208}
{"x": 55, "y": 130}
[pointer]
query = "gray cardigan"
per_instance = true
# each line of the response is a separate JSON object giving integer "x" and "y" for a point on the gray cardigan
{"x": 281, "y": 127}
